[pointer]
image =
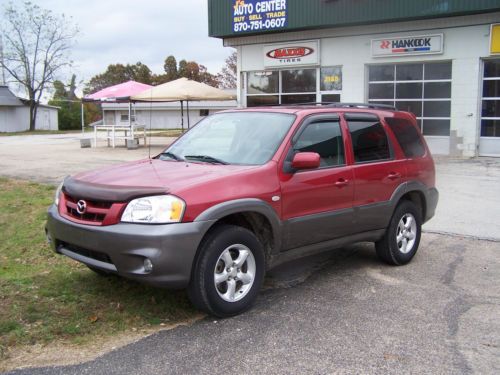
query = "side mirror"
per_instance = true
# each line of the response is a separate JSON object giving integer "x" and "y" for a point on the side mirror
{"x": 306, "y": 160}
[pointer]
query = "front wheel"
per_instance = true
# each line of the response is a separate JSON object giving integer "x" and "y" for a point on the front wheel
{"x": 402, "y": 237}
{"x": 228, "y": 273}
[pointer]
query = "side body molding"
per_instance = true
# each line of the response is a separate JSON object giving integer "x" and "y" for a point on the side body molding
{"x": 247, "y": 205}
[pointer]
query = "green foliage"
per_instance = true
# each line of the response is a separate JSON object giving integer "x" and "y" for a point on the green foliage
{"x": 67, "y": 101}
{"x": 119, "y": 73}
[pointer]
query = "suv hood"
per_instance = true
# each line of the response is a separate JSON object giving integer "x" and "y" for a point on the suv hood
{"x": 145, "y": 177}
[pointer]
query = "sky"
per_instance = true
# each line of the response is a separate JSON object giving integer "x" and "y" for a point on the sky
{"x": 128, "y": 31}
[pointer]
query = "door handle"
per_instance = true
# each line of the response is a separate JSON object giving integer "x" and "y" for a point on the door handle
{"x": 394, "y": 176}
{"x": 341, "y": 182}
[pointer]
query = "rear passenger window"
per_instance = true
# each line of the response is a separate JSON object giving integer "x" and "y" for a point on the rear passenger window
{"x": 369, "y": 141}
{"x": 325, "y": 138}
{"x": 407, "y": 136}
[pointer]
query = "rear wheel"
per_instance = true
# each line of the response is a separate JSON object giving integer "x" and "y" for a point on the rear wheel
{"x": 228, "y": 273}
{"x": 402, "y": 237}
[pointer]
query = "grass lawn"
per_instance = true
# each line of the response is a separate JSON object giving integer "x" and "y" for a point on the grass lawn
{"x": 46, "y": 297}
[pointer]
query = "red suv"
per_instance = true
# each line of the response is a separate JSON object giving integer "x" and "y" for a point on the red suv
{"x": 245, "y": 190}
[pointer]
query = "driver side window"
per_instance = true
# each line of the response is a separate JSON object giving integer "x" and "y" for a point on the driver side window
{"x": 324, "y": 138}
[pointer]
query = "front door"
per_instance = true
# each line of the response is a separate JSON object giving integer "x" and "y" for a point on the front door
{"x": 317, "y": 204}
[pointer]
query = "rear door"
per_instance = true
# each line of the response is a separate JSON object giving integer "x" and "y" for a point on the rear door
{"x": 317, "y": 203}
{"x": 377, "y": 171}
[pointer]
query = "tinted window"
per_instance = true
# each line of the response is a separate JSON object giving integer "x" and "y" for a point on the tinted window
{"x": 325, "y": 138}
{"x": 369, "y": 141}
{"x": 407, "y": 136}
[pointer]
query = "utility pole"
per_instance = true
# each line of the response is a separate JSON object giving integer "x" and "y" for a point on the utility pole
{"x": 2, "y": 76}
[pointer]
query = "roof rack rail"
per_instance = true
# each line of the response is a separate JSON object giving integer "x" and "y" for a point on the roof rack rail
{"x": 347, "y": 105}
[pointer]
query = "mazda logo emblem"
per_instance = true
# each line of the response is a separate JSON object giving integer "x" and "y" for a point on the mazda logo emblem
{"x": 81, "y": 207}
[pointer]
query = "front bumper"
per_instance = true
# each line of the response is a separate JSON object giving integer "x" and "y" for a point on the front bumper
{"x": 122, "y": 248}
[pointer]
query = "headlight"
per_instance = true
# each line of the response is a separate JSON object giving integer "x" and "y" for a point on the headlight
{"x": 58, "y": 194}
{"x": 158, "y": 209}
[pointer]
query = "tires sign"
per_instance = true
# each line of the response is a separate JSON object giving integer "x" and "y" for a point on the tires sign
{"x": 290, "y": 54}
{"x": 409, "y": 45}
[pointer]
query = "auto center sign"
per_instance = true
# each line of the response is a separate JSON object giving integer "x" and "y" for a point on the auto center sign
{"x": 259, "y": 15}
{"x": 411, "y": 45}
{"x": 290, "y": 54}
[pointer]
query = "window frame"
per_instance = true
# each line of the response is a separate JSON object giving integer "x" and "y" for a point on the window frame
{"x": 311, "y": 119}
{"x": 367, "y": 119}
{"x": 280, "y": 93}
{"x": 420, "y": 119}
{"x": 487, "y": 98}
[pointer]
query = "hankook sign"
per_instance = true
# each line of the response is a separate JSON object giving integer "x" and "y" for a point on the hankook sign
{"x": 408, "y": 45}
{"x": 290, "y": 54}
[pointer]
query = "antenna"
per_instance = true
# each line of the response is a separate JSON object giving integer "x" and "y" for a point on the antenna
{"x": 150, "y": 126}
{"x": 2, "y": 76}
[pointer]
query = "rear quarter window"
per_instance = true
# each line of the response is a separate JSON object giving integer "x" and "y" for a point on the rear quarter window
{"x": 407, "y": 136}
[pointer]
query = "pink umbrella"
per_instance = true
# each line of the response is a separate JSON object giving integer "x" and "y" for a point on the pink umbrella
{"x": 122, "y": 91}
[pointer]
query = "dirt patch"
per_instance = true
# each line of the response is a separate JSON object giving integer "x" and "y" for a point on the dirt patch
{"x": 61, "y": 353}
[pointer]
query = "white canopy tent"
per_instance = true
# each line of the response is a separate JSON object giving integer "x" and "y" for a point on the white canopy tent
{"x": 183, "y": 90}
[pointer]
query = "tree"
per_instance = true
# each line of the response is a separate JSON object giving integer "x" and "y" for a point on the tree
{"x": 36, "y": 48}
{"x": 227, "y": 76}
{"x": 170, "y": 68}
{"x": 119, "y": 73}
{"x": 65, "y": 98}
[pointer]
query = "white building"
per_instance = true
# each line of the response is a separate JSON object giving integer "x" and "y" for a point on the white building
{"x": 15, "y": 114}
{"x": 162, "y": 115}
{"x": 438, "y": 59}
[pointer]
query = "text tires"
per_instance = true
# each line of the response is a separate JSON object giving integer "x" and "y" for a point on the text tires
{"x": 402, "y": 237}
{"x": 228, "y": 272}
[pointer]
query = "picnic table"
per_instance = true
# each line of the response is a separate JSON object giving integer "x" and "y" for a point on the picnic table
{"x": 119, "y": 132}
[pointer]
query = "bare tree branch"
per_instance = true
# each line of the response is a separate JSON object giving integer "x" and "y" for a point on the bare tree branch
{"x": 37, "y": 44}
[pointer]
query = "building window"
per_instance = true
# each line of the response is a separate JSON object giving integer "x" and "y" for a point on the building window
{"x": 204, "y": 112}
{"x": 124, "y": 117}
{"x": 490, "y": 108}
{"x": 423, "y": 89}
{"x": 292, "y": 86}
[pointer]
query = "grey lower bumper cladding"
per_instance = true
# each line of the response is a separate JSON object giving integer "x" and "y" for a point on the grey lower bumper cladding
{"x": 122, "y": 248}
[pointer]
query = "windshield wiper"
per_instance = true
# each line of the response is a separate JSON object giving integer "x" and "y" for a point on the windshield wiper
{"x": 207, "y": 159}
{"x": 171, "y": 155}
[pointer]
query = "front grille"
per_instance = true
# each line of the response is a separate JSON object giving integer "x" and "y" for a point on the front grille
{"x": 86, "y": 252}
{"x": 96, "y": 212}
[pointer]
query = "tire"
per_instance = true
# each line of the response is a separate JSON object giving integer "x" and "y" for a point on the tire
{"x": 220, "y": 288}
{"x": 99, "y": 271}
{"x": 402, "y": 237}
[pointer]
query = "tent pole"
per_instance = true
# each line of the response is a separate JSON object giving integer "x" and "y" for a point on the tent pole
{"x": 187, "y": 105}
{"x": 182, "y": 115}
{"x": 83, "y": 120}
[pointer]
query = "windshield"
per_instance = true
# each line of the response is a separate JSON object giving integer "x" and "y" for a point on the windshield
{"x": 248, "y": 138}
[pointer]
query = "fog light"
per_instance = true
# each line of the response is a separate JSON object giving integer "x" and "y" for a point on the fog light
{"x": 148, "y": 266}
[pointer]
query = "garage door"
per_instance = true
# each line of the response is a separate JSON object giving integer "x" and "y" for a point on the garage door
{"x": 421, "y": 88}
{"x": 489, "y": 141}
